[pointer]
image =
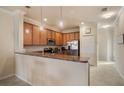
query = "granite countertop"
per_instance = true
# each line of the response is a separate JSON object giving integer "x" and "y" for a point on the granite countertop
{"x": 57, "y": 56}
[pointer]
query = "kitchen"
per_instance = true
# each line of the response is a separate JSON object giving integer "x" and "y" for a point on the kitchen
{"x": 49, "y": 45}
{"x": 46, "y": 55}
{"x": 44, "y": 47}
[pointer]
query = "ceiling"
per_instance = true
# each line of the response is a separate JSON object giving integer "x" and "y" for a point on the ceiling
{"x": 72, "y": 15}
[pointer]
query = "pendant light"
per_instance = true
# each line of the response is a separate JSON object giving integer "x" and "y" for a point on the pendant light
{"x": 27, "y": 31}
{"x": 42, "y": 22}
{"x": 61, "y": 24}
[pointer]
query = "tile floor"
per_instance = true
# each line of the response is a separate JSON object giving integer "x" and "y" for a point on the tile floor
{"x": 105, "y": 74}
{"x": 13, "y": 81}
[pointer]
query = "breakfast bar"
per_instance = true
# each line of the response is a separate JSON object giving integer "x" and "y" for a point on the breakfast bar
{"x": 52, "y": 69}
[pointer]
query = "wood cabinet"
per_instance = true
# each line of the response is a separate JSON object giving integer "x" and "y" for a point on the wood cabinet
{"x": 68, "y": 37}
{"x": 43, "y": 37}
{"x": 36, "y": 35}
{"x": 58, "y": 38}
{"x": 77, "y": 36}
{"x": 71, "y": 36}
{"x": 33, "y": 36}
{"x": 64, "y": 39}
{"x": 53, "y": 35}
{"x": 49, "y": 34}
{"x": 27, "y": 34}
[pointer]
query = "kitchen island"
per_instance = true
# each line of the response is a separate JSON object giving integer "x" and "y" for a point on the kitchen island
{"x": 52, "y": 69}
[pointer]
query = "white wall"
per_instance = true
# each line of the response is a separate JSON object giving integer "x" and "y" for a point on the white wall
{"x": 76, "y": 29}
{"x": 119, "y": 29}
{"x": 88, "y": 43}
{"x": 6, "y": 44}
{"x": 105, "y": 44}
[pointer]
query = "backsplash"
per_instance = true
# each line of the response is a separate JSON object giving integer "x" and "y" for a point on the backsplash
{"x": 38, "y": 48}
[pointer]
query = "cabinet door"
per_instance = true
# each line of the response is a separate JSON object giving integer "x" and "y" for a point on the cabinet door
{"x": 60, "y": 39}
{"x": 76, "y": 35}
{"x": 36, "y": 35}
{"x": 57, "y": 38}
{"x": 71, "y": 36}
{"x": 68, "y": 37}
{"x": 28, "y": 34}
{"x": 64, "y": 39}
{"x": 43, "y": 37}
{"x": 49, "y": 34}
{"x": 53, "y": 35}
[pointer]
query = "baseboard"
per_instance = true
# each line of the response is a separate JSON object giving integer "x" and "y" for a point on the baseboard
{"x": 1, "y": 78}
{"x": 119, "y": 71}
{"x": 23, "y": 80}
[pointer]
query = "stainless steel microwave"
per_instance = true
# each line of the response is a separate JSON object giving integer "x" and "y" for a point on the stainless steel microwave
{"x": 51, "y": 42}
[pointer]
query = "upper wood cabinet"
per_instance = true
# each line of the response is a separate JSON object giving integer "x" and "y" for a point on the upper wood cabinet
{"x": 53, "y": 35}
{"x": 68, "y": 37}
{"x": 27, "y": 34}
{"x": 43, "y": 37}
{"x": 33, "y": 36}
{"x": 71, "y": 36}
{"x": 36, "y": 35}
{"x": 77, "y": 36}
{"x": 58, "y": 38}
{"x": 49, "y": 34}
{"x": 64, "y": 39}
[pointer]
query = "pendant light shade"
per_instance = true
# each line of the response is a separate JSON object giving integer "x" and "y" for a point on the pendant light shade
{"x": 27, "y": 31}
{"x": 42, "y": 23}
{"x": 61, "y": 24}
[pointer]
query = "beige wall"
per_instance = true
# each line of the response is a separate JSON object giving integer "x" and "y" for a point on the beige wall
{"x": 119, "y": 29}
{"x": 88, "y": 43}
{"x": 6, "y": 45}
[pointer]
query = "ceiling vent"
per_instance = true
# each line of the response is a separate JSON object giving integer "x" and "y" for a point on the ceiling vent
{"x": 27, "y": 6}
{"x": 104, "y": 9}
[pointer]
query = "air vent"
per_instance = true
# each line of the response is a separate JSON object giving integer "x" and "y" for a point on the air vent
{"x": 27, "y": 6}
{"x": 104, "y": 9}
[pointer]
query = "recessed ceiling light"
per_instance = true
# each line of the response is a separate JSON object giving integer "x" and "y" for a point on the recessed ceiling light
{"x": 82, "y": 23}
{"x": 108, "y": 15}
{"x": 105, "y": 26}
{"x": 45, "y": 19}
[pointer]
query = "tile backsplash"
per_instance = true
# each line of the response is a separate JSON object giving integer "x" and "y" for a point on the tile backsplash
{"x": 38, "y": 48}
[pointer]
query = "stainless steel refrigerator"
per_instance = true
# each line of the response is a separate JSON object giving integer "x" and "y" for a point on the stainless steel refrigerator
{"x": 74, "y": 47}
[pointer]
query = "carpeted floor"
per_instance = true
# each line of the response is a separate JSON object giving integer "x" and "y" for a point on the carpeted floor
{"x": 105, "y": 74}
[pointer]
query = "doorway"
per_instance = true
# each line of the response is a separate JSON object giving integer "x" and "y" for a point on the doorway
{"x": 105, "y": 73}
{"x": 105, "y": 46}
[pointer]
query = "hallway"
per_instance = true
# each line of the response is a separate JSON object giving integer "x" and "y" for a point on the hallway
{"x": 105, "y": 74}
